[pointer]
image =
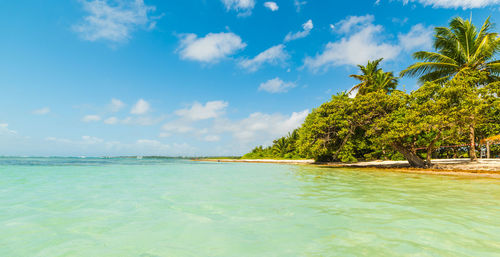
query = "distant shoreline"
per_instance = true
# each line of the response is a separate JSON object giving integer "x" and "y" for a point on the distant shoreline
{"x": 459, "y": 167}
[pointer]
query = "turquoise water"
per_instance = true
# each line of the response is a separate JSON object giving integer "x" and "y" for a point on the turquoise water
{"x": 128, "y": 207}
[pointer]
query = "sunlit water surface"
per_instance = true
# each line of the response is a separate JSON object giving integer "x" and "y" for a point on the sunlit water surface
{"x": 128, "y": 207}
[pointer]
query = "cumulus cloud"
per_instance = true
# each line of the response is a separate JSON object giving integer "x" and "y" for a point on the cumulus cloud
{"x": 273, "y": 55}
{"x": 419, "y": 37}
{"x": 85, "y": 140}
{"x": 91, "y": 118}
{"x": 243, "y": 7}
{"x": 142, "y": 120}
{"x": 464, "y": 4}
{"x": 260, "y": 128}
{"x": 4, "y": 129}
{"x": 362, "y": 41}
{"x": 111, "y": 120}
{"x": 211, "y": 48}
{"x": 116, "y": 105}
{"x": 271, "y": 6}
{"x": 141, "y": 107}
{"x": 298, "y": 4}
{"x": 276, "y": 85}
{"x": 155, "y": 144}
{"x": 42, "y": 111}
{"x": 176, "y": 127}
{"x": 211, "y": 138}
{"x": 199, "y": 111}
{"x": 353, "y": 22}
{"x": 91, "y": 144}
{"x": 114, "y": 21}
{"x": 306, "y": 29}
{"x": 91, "y": 140}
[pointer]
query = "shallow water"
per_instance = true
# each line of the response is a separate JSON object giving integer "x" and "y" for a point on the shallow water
{"x": 128, "y": 207}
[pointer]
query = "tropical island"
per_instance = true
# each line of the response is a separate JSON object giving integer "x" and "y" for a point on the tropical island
{"x": 454, "y": 113}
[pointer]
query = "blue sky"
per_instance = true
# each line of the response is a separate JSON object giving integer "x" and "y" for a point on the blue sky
{"x": 199, "y": 77}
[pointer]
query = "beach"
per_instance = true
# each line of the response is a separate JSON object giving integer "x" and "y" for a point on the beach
{"x": 460, "y": 167}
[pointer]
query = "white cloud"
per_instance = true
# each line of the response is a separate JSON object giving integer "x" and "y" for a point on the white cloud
{"x": 211, "y": 138}
{"x": 116, "y": 105}
{"x": 260, "y": 128}
{"x": 85, "y": 140}
{"x": 276, "y": 85}
{"x": 89, "y": 145}
{"x": 111, "y": 120}
{"x": 298, "y": 4}
{"x": 114, "y": 21}
{"x": 273, "y": 55}
{"x": 59, "y": 140}
{"x": 243, "y": 6}
{"x": 353, "y": 22}
{"x": 464, "y": 4}
{"x": 362, "y": 42}
{"x": 164, "y": 134}
{"x": 91, "y": 140}
{"x": 91, "y": 118}
{"x": 419, "y": 37}
{"x": 4, "y": 129}
{"x": 211, "y": 48}
{"x": 147, "y": 141}
{"x": 42, "y": 111}
{"x": 141, "y": 107}
{"x": 271, "y": 6}
{"x": 306, "y": 29}
{"x": 142, "y": 120}
{"x": 199, "y": 111}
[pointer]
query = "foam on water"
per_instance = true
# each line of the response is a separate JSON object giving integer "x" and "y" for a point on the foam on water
{"x": 156, "y": 207}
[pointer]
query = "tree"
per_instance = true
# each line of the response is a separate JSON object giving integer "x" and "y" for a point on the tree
{"x": 459, "y": 47}
{"x": 461, "y": 50}
{"x": 326, "y": 129}
{"x": 373, "y": 78}
{"x": 280, "y": 147}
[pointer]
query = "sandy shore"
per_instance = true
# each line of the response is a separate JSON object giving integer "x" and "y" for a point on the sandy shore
{"x": 462, "y": 167}
{"x": 259, "y": 161}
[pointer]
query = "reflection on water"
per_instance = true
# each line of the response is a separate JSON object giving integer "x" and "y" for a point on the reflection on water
{"x": 157, "y": 207}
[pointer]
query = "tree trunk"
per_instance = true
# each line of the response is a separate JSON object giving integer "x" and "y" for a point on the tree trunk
{"x": 488, "y": 149}
{"x": 472, "y": 150}
{"x": 411, "y": 156}
{"x": 430, "y": 148}
{"x": 344, "y": 141}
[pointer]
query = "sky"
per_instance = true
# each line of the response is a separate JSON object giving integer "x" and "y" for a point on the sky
{"x": 197, "y": 77}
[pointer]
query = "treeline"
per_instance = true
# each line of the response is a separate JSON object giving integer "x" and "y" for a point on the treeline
{"x": 457, "y": 104}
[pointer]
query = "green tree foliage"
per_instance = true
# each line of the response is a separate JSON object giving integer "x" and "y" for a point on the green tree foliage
{"x": 282, "y": 148}
{"x": 459, "y": 46}
{"x": 373, "y": 78}
{"x": 464, "y": 56}
{"x": 327, "y": 129}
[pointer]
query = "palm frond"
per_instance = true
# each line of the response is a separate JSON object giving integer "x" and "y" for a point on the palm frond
{"x": 421, "y": 68}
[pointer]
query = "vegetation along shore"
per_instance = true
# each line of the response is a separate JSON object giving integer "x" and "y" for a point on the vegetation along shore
{"x": 454, "y": 112}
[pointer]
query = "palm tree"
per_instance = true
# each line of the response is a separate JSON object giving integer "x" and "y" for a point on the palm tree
{"x": 459, "y": 47}
{"x": 386, "y": 81}
{"x": 373, "y": 78}
{"x": 280, "y": 146}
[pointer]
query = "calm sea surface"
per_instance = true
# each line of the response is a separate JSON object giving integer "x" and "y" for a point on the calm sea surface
{"x": 152, "y": 207}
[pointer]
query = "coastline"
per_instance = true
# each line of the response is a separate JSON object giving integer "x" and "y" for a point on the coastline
{"x": 489, "y": 168}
